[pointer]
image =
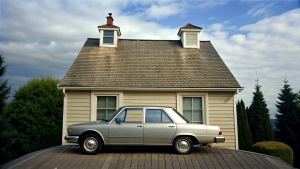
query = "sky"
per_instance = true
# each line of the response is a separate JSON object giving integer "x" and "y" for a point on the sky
{"x": 256, "y": 39}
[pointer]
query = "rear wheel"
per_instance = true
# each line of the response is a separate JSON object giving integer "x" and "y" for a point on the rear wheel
{"x": 183, "y": 145}
{"x": 90, "y": 144}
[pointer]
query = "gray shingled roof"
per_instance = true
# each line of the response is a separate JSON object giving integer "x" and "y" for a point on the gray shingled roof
{"x": 149, "y": 64}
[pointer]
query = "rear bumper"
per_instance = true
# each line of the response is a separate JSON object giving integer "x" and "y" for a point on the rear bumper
{"x": 220, "y": 139}
{"x": 72, "y": 139}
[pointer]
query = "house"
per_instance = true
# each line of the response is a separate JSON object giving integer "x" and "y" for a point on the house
{"x": 186, "y": 74}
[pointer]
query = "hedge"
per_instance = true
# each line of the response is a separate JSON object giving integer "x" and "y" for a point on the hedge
{"x": 276, "y": 149}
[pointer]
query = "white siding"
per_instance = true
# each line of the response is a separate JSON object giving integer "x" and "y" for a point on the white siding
{"x": 78, "y": 107}
{"x": 149, "y": 98}
{"x": 221, "y": 113}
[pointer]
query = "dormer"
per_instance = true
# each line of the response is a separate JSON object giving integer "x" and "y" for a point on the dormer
{"x": 109, "y": 33}
{"x": 189, "y": 36}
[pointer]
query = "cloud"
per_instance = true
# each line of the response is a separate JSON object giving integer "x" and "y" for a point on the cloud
{"x": 269, "y": 47}
{"x": 260, "y": 10}
{"x": 161, "y": 11}
{"x": 207, "y": 4}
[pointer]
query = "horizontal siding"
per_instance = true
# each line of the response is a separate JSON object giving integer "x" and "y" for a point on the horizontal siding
{"x": 150, "y": 98}
{"x": 78, "y": 107}
{"x": 221, "y": 113}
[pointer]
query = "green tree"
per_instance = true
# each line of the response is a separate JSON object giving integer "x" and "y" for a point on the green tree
{"x": 5, "y": 136}
{"x": 4, "y": 89}
{"x": 288, "y": 119}
{"x": 259, "y": 118}
{"x": 244, "y": 134}
{"x": 36, "y": 115}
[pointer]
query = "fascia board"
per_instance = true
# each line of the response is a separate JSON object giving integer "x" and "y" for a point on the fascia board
{"x": 152, "y": 89}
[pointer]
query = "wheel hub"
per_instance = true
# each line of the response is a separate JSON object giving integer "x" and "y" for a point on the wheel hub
{"x": 183, "y": 145}
{"x": 90, "y": 144}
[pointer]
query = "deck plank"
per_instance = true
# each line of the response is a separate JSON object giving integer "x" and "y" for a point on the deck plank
{"x": 140, "y": 157}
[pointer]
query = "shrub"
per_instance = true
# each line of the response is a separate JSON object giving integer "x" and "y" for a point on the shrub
{"x": 276, "y": 149}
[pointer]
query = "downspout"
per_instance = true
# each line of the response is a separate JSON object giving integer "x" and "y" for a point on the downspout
{"x": 64, "y": 123}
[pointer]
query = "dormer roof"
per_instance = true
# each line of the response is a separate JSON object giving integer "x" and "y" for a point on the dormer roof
{"x": 188, "y": 26}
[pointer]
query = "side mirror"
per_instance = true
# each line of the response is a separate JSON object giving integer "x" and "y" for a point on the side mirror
{"x": 118, "y": 120}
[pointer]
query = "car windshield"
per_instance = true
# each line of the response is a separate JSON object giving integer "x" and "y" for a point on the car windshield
{"x": 113, "y": 115}
{"x": 181, "y": 115}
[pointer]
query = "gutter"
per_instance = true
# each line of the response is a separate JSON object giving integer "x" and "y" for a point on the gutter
{"x": 151, "y": 89}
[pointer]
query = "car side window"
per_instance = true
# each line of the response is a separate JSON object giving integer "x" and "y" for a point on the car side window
{"x": 131, "y": 115}
{"x": 157, "y": 116}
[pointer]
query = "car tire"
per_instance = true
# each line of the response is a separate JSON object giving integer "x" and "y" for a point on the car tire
{"x": 183, "y": 145}
{"x": 90, "y": 144}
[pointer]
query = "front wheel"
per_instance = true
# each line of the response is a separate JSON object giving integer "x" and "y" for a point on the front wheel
{"x": 90, "y": 144}
{"x": 183, "y": 145}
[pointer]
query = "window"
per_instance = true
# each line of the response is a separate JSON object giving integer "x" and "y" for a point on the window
{"x": 131, "y": 115}
{"x": 157, "y": 116}
{"x": 191, "y": 39}
{"x": 106, "y": 106}
{"x": 108, "y": 37}
{"x": 192, "y": 108}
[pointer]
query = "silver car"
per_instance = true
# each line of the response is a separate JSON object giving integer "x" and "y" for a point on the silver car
{"x": 144, "y": 126}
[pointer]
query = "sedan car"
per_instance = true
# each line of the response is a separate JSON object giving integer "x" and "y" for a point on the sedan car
{"x": 143, "y": 126}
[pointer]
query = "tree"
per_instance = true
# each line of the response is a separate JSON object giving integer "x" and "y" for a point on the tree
{"x": 244, "y": 134}
{"x": 36, "y": 115}
{"x": 4, "y": 89}
{"x": 288, "y": 119}
{"x": 259, "y": 118}
{"x": 5, "y": 136}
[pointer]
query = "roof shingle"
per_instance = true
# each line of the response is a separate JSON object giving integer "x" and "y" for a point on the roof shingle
{"x": 149, "y": 64}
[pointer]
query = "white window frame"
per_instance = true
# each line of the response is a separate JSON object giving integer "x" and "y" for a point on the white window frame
{"x": 101, "y": 44}
{"x": 95, "y": 94}
{"x": 204, "y": 96}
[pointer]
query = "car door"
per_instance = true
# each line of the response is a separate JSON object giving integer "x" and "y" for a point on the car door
{"x": 159, "y": 129}
{"x": 129, "y": 130}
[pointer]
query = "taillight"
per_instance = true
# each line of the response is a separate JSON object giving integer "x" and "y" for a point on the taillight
{"x": 220, "y": 132}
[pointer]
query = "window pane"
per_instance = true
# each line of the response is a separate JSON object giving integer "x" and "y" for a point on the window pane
{"x": 108, "y": 33}
{"x": 197, "y": 116}
{"x": 101, "y": 114}
{"x": 122, "y": 116}
{"x": 106, "y": 106}
{"x": 153, "y": 116}
{"x": 187, "y": 103}
{"x": 108, "y": 39}
{"x": 187, "y": 114}
{"x": 197, "y": 103}
{"x": 165, "y": 118}
{"x": 101, "y": 102}
{"x": 111, "y": 101}
{"x": 110, "y": 112}
{"x": 134, "y": 115}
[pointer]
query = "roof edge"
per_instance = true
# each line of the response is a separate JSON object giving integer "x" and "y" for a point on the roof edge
{"x": 237, "y": 89}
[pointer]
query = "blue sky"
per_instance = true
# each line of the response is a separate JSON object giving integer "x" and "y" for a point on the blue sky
{"x": 43, "y": 37}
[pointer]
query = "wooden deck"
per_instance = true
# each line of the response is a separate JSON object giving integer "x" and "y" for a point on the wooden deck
{"x": 62, "y": 157}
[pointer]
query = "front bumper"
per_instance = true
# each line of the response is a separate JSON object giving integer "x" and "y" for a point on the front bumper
{"x": 72, "y": 139}
{"x": 220, "y": 139}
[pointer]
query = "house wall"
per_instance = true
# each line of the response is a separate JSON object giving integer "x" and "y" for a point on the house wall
{"x": 220, "y": 109}
{"x": 221, "y": 113}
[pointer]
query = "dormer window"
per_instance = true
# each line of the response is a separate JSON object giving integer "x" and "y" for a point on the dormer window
{"x": 109, "y": 33}
{"x": 108, "y": 37}
{"x": 189, "y": 36}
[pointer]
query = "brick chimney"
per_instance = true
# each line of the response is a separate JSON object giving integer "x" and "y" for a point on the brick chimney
{"x": 110, "y": 19}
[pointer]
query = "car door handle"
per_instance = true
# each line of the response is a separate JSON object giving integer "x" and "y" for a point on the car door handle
{"x": 172, "y": 126}
{"x": 139, "y": 126}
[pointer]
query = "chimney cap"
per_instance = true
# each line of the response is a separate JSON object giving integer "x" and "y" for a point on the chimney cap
{"x": 109, "y": 14}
